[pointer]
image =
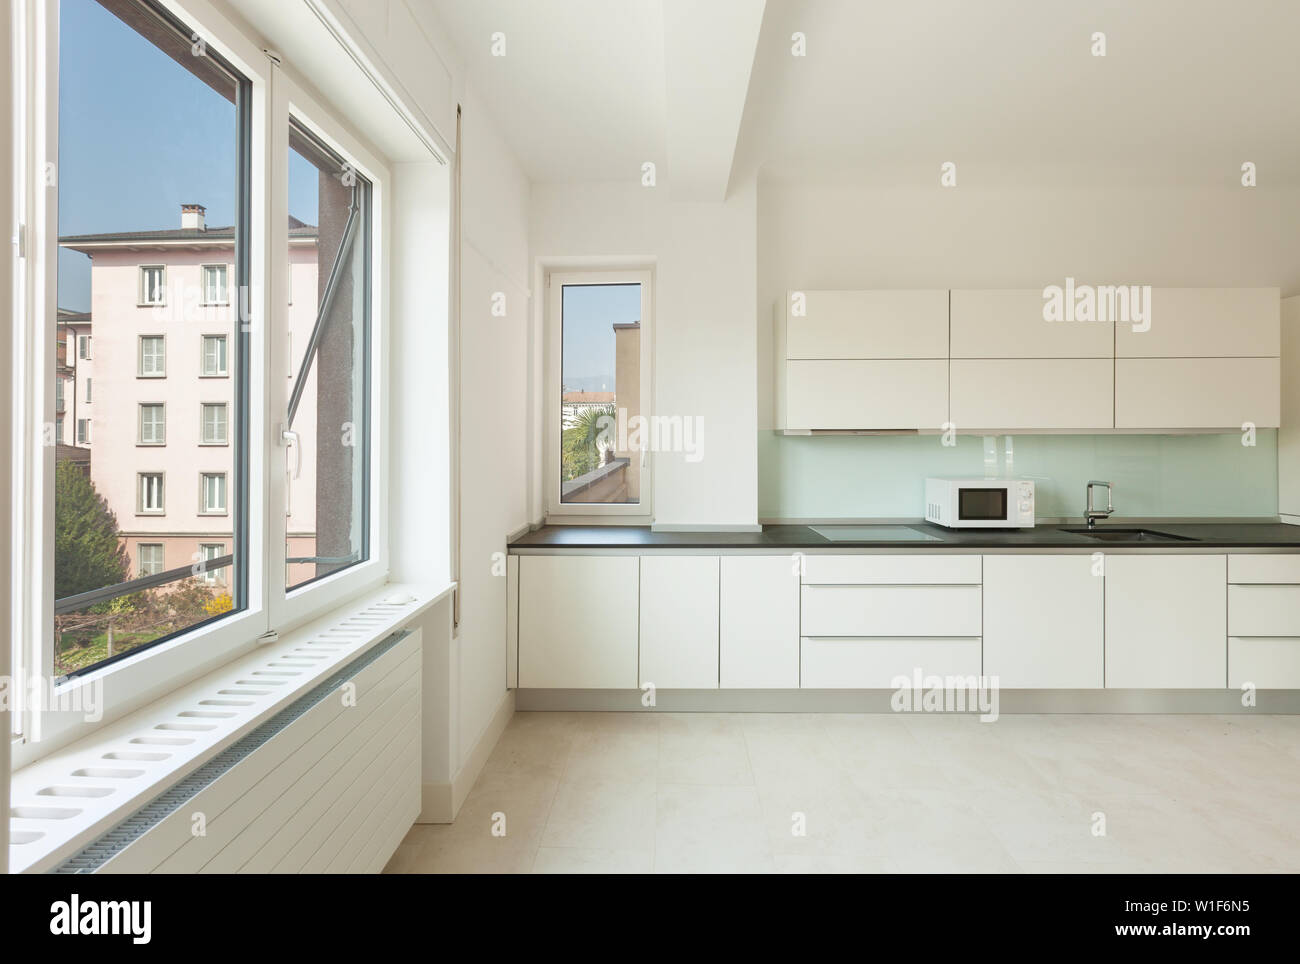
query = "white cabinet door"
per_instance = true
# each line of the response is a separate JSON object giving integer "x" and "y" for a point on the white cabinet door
{"x": 1266, "y": 664}
{"x": 1166, "y": 621}
{"x": 1264, "y": 610}
{"x": 1206, "y": 323}
{"x": 578, "y": 622}
{"x": 857, "y": 663}
{"x": 894, "y": 394}
{"x": 1008, "y": 323}
{"x": 868, "y": 324}
{"x": 1043, "y": 621}
{"x": 1197, "y": 392}
{"x": 759, "y": 622}
{"x": 679, "y": 622}
{"x": 1022, "y": 393}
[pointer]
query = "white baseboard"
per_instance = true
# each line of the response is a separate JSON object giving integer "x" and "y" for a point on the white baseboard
{"x": 440, "y": 802}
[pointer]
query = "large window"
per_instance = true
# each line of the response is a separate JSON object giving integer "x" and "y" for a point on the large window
{"x": 329, "y": 346}
{"x": 598, "y": 431}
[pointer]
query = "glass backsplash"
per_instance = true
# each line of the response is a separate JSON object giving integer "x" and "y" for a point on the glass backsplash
{"x": 833, "y": 477}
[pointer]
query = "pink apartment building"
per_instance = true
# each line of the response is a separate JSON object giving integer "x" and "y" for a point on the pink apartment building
{"x": 150, "y": 397}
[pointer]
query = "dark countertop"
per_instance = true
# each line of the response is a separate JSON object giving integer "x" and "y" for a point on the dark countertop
{"x": 1211, "y": 535}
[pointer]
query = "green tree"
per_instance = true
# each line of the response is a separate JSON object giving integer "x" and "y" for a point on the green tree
{"x": 579, "y": 443}
{"x": 88, "y": 550}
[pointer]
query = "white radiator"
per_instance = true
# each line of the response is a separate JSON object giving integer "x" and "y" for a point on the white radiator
{"x": 330, "y": 784}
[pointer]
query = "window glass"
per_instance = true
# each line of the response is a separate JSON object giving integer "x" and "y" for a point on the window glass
{"x": 600, "y": 392}
{"x": 328, "y": 334}
{"x": 214, "y": 355}
{"x": 152, "y": 213}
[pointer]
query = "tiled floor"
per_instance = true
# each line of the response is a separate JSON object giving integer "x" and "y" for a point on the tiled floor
{"x": 575, "y": 792}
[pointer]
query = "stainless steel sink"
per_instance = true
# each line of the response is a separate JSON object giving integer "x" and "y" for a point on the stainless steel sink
{"x": 1108, "y": 534}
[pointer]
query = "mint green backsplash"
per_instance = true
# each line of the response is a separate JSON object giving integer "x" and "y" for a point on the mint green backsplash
{"x": 801, "y": 477}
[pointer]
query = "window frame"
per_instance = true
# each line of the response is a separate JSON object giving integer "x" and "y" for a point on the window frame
{"x": 139, "y": 423}
{"x": 204, "y": 510}
{"x": 85, "y": 348}
{"x": 209, "y": 576}
{"x": 139, "y": 558}
{"x": 141, "y": 507}
{"x": 139, "y": 357}
{"x": 203, "y": 285}
{"x": 203, "y": 424}
{"x": 555, "y": 279}
{"x": 144, "y": 302}
{"x": 225, "y": 355}
{"x": 82, "y": 437}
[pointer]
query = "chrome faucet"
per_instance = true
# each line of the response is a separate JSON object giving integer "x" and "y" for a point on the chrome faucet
{"x": 1091, "y": 513}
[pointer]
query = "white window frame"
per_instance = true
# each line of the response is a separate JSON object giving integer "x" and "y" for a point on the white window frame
{"x": 139, "y": 558}
{"x": 83, "y": 431}
{"x": 88, "y": 381}
{"x": 204, "y": 507}
{"x": 224, "y": 371}
{"x": 130, "y": 683}
{"x": 140, "y": 356}
{"x": 203, "y": 284}
{"x": 139, "y": 424}
{"x": 203, "y": 424}
{"x": 144, "y": 301}
{"x": 209, "y": 576}
{"x": 85, "y": 348}
{"x": 142, "y": 506}
{"x": 555, "y": 279}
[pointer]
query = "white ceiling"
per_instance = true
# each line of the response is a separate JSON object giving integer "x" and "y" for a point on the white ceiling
{"x": 889, "y": 90}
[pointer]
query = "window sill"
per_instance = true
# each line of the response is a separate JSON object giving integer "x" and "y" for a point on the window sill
{"x": 371, "y": 618}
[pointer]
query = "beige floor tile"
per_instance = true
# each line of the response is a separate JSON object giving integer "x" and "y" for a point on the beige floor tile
{"x": 706, "y": 751}
{"x": 624, "y": 748}
{"x": 602, "y": 815}
{"x": 812, "y": 864}
{"x": 701, "y": 829}
{"x": 581, "y": 860}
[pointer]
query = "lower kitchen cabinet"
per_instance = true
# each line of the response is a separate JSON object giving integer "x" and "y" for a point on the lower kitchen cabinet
{"x": 1044, "y": 621}
{"x": 758, "y": 624}
{"x": 578, "y": 622}
{"x": 1166, "y": 621}
{"x": 1267, "y": 663}
{"x": 857, "y": 662}
{"x": 679, "y": 622}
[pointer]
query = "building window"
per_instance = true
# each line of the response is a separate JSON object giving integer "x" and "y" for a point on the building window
{"x": 83, "y": 347}
{"x": 153, "y": 423}
{"x": 149, "y": 558}
{"x": 151, "y": 493}
{"x": 214, "y": 356}
{"x": 58, "y": 430}
{"x": 87, "y": 390}
{"x": 153, "y": 356}
{"x": 213, "y": 493}
{"x": 215, "y": 289}
{"x": 597, "y": 378}
{"x": 153, "y": 284}
{"x": 209, "y": 551}
{"x": 83, "y": 431}
{"x": 59, "y": 403}
{"x": 213, "y": 430}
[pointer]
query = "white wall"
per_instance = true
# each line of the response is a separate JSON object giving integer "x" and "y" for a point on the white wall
{"x": 7, "y": 265}
{"x": 704, "y": 336}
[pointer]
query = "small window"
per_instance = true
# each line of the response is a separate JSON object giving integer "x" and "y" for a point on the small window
{"x": 58, "y": 430}
{"x": 88, "y": 390}
{"x": 83, "y": 347}
{"x": 149, "y": 558}
{"x": 213, "y": 494}
{"x": 215, "y": 291}
{"x": 151, "y": 493}
{"x": 153, "y": 423}
{"x": 83, "y": 431}
{"x": 214, "y": 423}
{"x": 214, "y": 356}
{"x": 153, "y": 356}
{"x": 153, "y": 284}
{"x": 59, "y": 403}
{"x": 209, "y": 551}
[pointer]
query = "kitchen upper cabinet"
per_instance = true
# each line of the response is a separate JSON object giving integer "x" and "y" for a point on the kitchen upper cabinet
{"x": 578, "y": 622}
{"x": 867, "y": 324}
{"x": 1206, "y": 323}
{"x": 1008, "y": 323}
{"x": 1032, "y": 393}
{"x": 1166, "y": 621}
{"x": 1176, "y": 393}
{"x": 679, "y": 622}
{"x": 758, "y": 622}
{"x": 1043, "y": 621}
{"x": 861, "y": 360}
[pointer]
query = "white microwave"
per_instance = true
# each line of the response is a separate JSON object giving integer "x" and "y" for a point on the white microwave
{"x": 980, "y": 503}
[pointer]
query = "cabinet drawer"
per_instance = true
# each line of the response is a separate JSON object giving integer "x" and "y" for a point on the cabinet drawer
{"x": 847, "y": 663}
{"x": 1268, "y": 664}
{"x": 1263, "y": 567}
{"x": 891, "y": 611}
{"x": 1264, "y": 610}
{"x": 894, "y": 394}
{"x": 888, "y": 570}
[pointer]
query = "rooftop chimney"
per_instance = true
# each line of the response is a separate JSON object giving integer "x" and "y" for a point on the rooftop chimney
{"x": 192, "y": 217}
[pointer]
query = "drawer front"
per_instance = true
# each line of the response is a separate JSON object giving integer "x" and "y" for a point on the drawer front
{"x": 892, "y": 570}
{"x": 847, "y": 663}
{"x": 891, "y": 611}
{"x": 1268, "y": 664}
{"x": 1264, "y": 610}
{"x": 1263, "y": 567}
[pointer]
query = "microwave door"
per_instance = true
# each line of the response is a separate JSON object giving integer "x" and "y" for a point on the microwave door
{"x": 982, "y": 505}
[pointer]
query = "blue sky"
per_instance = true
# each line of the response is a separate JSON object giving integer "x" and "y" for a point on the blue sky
{"x": 589, "y": 313}
{"x": 138, "y": 136}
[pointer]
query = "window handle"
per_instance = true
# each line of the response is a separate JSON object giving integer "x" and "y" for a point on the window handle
{"x": 290, "y": 437}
